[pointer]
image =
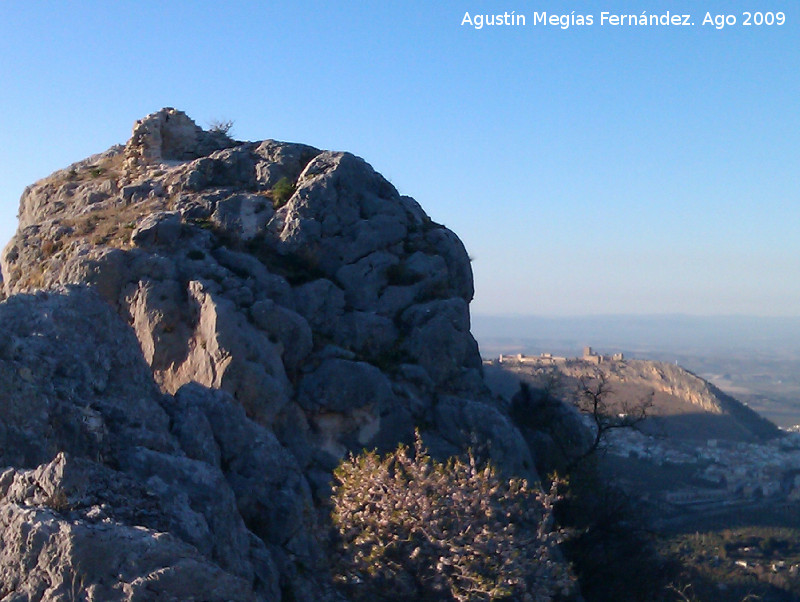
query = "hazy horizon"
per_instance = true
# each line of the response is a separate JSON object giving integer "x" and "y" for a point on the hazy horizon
{"x": 557, "y": 316}
{"x": 665, "y": 333}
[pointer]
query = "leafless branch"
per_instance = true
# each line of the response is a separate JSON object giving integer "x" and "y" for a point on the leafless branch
{"x": 593, "y": 399}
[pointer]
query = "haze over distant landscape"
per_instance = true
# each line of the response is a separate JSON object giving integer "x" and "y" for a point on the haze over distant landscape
{"x": 675, "y": 334}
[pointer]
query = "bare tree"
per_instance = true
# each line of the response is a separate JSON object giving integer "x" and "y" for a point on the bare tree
{"x": 593, "y": 399}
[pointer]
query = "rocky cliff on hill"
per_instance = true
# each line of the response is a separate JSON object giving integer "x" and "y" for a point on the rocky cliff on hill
{"x": 196, "y": 331}
{"x": 684, "y": 405}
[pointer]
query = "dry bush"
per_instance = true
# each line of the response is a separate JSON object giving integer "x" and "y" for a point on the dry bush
{"x": 412, "y": 528}
{"x": 58, "y": 500}
{"x": 223, "y": 126}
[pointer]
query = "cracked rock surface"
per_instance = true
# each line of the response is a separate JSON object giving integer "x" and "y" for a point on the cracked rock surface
{"x": 196, "y": 331}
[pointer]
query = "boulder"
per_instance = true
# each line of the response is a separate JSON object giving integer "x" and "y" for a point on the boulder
{"x": 160, "y": 228}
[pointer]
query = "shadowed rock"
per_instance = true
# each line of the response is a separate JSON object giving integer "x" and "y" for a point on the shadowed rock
{"x": 225, "y": 321}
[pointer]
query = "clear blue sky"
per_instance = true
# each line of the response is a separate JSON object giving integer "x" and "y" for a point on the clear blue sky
{"x": 588, "y": 170}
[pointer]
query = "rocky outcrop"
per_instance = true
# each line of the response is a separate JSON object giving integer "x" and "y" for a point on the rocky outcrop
{"x": 115, "y": 488}
{"x": 223, "y": 322}
{"x": 683, "y": 405}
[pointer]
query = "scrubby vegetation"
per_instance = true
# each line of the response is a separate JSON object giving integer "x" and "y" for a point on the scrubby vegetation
{"x": 413, "y": 528}
{"x": 282, "y": 192}
{"x": 613, "y": 552}
{"x": 730, "y": 564}
{"x": 107, "y": 167}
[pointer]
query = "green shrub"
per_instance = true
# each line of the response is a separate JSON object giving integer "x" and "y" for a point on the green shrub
{"x": 418, "y": 529}
{"x": 282, "y": 192}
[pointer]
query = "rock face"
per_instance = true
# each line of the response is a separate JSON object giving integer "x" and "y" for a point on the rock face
{"x": 222, "y": 322}
{"x": 107, "y": 492}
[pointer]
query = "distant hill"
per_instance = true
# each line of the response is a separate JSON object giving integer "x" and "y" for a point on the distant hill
{"x": 685, "y": 406}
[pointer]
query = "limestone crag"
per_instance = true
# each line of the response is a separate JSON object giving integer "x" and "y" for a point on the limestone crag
{"x": 223, "y": 322}
{"x": 104, "y": 481}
